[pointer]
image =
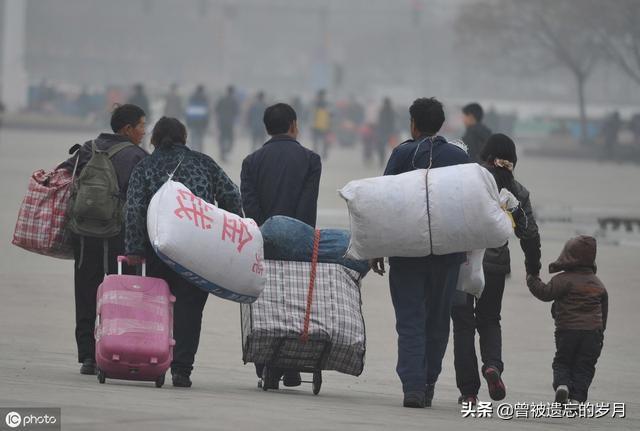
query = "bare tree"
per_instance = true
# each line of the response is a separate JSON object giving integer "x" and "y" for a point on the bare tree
{"x": 538, "y": 34}
{"x": 619, "y": 31}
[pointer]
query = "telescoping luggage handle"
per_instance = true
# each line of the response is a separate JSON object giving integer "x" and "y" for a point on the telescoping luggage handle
{"x": 126, "y": 259}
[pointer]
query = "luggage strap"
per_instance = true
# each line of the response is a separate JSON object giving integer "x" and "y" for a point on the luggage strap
{"x": 426, "y": 178}
{"x": 304, "y": 337}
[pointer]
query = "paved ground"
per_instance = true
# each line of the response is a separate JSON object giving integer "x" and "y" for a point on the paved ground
{"x": 37, "y": 350}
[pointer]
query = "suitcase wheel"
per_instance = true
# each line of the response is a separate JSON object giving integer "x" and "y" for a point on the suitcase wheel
{"x": 160, "y": 381}
{"x": 102, "y": 377}
{"x": 317, "y": 382}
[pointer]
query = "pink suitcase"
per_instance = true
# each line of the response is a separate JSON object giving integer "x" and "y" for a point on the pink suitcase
{"x": 134, "y": 327}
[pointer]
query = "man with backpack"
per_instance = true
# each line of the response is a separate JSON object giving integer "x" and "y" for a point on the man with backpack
{"x": 104, "y": 166}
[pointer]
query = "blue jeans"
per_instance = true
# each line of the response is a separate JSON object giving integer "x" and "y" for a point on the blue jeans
{"x": 422, "y": 300}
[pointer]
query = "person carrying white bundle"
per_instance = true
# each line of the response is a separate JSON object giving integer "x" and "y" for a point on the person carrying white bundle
{"x": 438, "y": 211}
{"x": 422, "y": 287}
{"x": 208, "y": 182}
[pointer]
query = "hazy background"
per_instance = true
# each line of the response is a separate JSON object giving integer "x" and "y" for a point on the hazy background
{"x": 560, "y": 76}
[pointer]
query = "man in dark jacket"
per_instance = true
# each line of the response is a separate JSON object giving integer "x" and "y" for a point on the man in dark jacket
{"x": 281, "y": 178}
{"x": 128, "y": 124}
{"x": 422, "y": 287}
{"x": 477, "y": 133}
{"x": 580, "y": 310}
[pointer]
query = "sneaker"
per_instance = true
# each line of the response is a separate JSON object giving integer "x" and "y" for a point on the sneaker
{"x": 428, "y": 394}
{"x": 180, "y": 380}
{"x": 562, "y": 394}
{"x": 88, "y": 367}
{"x": 414, "y": 399}
{"x": 291, "y": 379}
{"x": 497, "y": 390}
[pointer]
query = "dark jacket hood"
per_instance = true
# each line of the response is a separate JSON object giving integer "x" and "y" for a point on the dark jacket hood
{"x": 578, "y": 252}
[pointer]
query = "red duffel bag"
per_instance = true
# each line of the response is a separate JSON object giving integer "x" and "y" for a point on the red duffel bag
{"x": 41, "y": 221}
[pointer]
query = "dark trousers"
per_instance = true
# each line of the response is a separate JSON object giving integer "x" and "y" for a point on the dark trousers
{"x": 187, "y": 316}
{"x": 226, "y": 141}
{"x": 483, "y": 315}
{"x": 575, "y": 362}
{"x": 87, "y": 277}
{"x": 422, "y": 302}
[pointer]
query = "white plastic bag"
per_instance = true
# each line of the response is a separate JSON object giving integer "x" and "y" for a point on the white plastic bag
{"x": 471, "y": 276}
{"x": 508, "y": 201}
{"x": 216, "y": 250}
{"x": 391, "y": 216}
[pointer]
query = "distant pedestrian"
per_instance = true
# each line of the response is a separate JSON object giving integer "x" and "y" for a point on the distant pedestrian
{"x": 254, "y": 121}
{"x": 321, "y": 125}
{"x": 173, "y": 106}
{"x": 227, "y": 110}
{"x": 610, "y": 132}
{"x": 385, "y": 130}
{"x": 139, "y": 98}
{"x": 197, "y": 117}
{"x": 477, "y": 133}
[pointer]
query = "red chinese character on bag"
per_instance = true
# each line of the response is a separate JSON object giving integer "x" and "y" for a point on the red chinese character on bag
{"x": 194, "y": 208}
{"x": 236, "y": 230}
{"x": 258, "y": 267}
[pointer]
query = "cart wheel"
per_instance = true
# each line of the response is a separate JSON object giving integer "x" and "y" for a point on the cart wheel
{"x": 317, "y": 382}
{"x": 102, "y": 377}
{"x": 160, "y": 381}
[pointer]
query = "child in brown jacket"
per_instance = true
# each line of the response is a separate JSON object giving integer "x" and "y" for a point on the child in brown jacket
{"x": 580, "y": 310}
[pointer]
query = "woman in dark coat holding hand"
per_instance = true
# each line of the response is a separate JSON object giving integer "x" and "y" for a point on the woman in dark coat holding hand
{"x": 468, "y": 314}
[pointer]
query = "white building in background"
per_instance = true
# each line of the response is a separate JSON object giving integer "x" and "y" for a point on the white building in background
{"x": 13, "y": 74}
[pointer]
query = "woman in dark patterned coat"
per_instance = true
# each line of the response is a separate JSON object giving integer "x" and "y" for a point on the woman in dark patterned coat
{"x": 207, "y": 181}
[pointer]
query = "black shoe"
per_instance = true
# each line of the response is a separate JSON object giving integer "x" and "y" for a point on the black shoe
{"x": 497, "y": 389}
{"x": 181, "y": 380}
{"x": 428, "y": 394}
{"x": 562, "y": 394}
{"x": 291, "y": 379}
{"x": 88, "y": 367}
{"x": 414, "y": 399}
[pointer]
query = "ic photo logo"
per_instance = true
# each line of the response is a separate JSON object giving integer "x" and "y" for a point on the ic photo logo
{"x": 31, "y": 419}
{"x": 13, "y": 419}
